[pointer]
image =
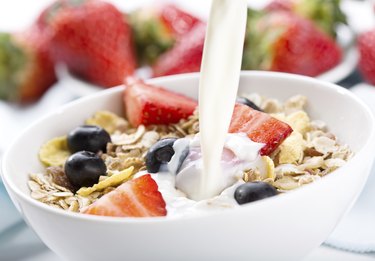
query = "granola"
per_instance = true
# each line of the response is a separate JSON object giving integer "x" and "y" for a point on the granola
{"x": 308, "y": 154}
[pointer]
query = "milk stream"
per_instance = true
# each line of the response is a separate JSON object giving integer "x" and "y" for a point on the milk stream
{"x": 220, "y": 72}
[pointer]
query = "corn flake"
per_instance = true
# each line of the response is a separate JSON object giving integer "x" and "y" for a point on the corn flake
{"x": 108, "y": 121}
{"x": 114, "y": 180}
{"x": 299, "y": 121}
{"x": 269, "y": 167}
{"x": 291, "y": 150}
{"x": 54, "y": 152}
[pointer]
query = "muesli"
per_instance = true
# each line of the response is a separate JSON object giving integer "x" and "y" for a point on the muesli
{"x": 307, "y": 154}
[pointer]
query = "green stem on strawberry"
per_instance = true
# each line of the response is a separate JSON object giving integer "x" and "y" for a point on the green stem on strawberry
{"x": 327, "y": 14}
{"x": 284, "y": 41}
{"x": 259, "y": 41}
{"x": 12, "y": 63}
{"x": 150, "y": 35}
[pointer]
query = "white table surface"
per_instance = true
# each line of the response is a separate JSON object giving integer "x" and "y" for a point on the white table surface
{"x": 24, "y": 244}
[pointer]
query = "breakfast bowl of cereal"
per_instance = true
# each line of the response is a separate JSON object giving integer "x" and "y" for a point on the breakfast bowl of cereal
{"x": 115, "y": 175}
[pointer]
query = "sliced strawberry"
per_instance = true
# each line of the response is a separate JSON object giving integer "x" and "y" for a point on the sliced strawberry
{"x": 136, "y": 198}
{"x": 146, "y": 104}
{"x": 94, "y": 40}
{"x": 366, "y": 46}
{"x": 185, "y": 56}
{"x": 259, "y": 127}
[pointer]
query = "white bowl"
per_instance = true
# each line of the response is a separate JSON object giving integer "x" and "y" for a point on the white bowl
{"x": 285, "y": 227}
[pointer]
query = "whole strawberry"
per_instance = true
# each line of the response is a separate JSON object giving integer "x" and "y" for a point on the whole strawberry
{"x": 366, "y": 46}
{"x": 26, "y": 70}
{"x": 326, "y": 14}
{"x": 282, "y": 41}
{"x": 93, "y": 39}
{"x": 157, "y": 27}
{"x": 185, "y": 56}
{"x": 177, "y": 20}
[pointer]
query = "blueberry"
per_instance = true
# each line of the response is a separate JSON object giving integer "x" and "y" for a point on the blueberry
{"x": 161, "y": 152}
{"x": 88, "y": 138}
{"x": 252, "y": 191}
{"x": 247, "y": 102}
{"x": 84, "y": 168}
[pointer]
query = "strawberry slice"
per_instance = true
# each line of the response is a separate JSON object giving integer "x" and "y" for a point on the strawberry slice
{"x": 259, "y": 127}
{"x": 136, "y": 198}
{"x": 146, "y": 104}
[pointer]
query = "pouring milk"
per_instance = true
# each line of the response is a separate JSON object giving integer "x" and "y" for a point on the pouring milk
{"x": 220, "y": 72}
{"x": 212, "y": 161}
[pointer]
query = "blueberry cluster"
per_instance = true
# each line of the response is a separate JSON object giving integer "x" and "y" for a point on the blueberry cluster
{"x": 84, "y": 167}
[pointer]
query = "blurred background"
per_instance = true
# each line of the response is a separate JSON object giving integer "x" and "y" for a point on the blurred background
{"x": 43, "y": 65}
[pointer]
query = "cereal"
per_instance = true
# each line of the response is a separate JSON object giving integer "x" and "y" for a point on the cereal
{"x": 295, "y": 103}
{"x": 54, "y": 152}
{"x": 108, "y": 121}
{"x": 286, "y": 183}
{"x": 287, "y": 169}
{"x": 128, "y": 139}
{"x": 334, "y": 163}
{"x": 266, "y": 170}
{"x": 291, "y": 150}
{"x": 271, "y": 106}
{"x": 113, "y": 180}
{"x": 269, "y": 168}
{"x": 299, "y": 121}
{"x": 324, "y": 145}
{"x": 309, "y": 153}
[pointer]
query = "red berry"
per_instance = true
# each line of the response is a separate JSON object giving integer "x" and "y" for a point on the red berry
{"x": 366, "y": 46}
{"x": 28, "y": 70}
{"x": 282, "y": 41}
{"x": 135, "y": 198}
{"x": 146, "y": 104}
{"x": 185, "y": 56}
{"x": 177, "y": 20}
{"x": 94, "y": 40}
{"x": 259, "y": 127}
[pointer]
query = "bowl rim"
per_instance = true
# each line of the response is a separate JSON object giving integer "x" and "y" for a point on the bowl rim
{"x": 10, "y": 185}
